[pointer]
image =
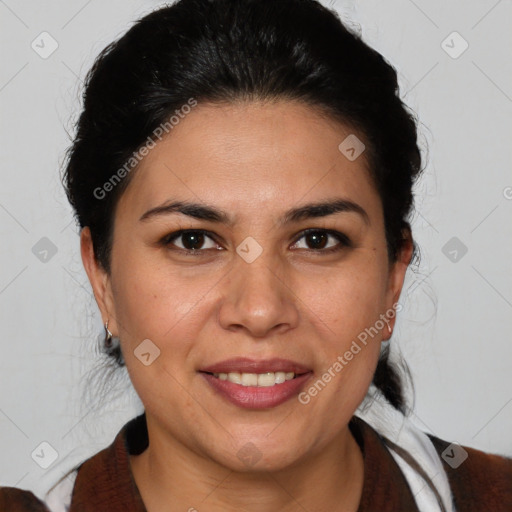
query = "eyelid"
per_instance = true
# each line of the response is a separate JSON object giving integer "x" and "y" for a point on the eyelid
{"x": 343, "y": 240}
{"x": 170, "y": 237}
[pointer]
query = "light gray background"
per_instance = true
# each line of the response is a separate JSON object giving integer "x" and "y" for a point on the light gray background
{"x": 455, "y": 328}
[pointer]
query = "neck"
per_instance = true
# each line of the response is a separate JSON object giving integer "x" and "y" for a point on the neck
{"x": 169, "y": 472}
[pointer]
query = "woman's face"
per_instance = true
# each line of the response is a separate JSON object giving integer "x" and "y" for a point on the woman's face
{"x": 257, "y": 286}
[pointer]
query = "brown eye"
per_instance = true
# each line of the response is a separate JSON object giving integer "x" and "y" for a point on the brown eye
{"x": 191, "y": 240}
{"x": 322, "y": 240}
{"x": 317, "y": 240}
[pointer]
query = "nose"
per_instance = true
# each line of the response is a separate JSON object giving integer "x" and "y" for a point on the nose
{"x": 259, "y": 299}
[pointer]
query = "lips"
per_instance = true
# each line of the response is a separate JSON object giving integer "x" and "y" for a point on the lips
{"x": 246, "y": 365}
{"x": 255, "y": 397}
{"x": 252, "y": 384}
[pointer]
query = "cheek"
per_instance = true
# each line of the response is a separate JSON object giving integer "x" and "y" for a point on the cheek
{"x": 345, "y": 314}
{"x": 151, "y": 300}
{"x": 344, "y": 309}
{"x": 161, "y": 305}
{"x": 348, "y": 301}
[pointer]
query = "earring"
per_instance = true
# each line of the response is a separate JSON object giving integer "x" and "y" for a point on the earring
{"x": 390, "y": 330}
{"x": 112, "y": 346}
{"x": 111, "y": 341}
{"x": 108, "y": 336}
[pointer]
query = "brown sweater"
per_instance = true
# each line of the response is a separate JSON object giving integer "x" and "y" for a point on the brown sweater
{"x": 483, "y": 482}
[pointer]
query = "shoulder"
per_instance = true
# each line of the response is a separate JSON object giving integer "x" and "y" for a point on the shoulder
{"x": 479, "y": 480}
{"x": 18, "y": 500}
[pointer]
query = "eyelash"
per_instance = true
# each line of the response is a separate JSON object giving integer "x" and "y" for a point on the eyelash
{"x": 344, "y": 240}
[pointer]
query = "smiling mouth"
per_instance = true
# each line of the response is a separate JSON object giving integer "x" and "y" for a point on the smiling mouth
{"x": 267, "y": 379}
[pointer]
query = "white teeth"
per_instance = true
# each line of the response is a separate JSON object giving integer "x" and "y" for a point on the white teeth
{"x": 234, "y": 377}
{"x": 267, "y": 379}
{"x": 280, "y": 377}
{"x": 256, "y": 379}
{"x": 249, "y": 379}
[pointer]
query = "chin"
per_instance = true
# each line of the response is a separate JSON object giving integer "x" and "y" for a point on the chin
{"x": 258, "y": 455}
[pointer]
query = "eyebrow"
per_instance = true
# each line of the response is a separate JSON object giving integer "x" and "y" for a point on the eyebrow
{"x": 213, "y": 214}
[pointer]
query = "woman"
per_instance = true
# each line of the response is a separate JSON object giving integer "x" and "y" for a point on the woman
{"x": 242, "y": 175}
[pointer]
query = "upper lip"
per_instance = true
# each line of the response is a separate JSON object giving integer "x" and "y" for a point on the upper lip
{"x": 246, "y": 365}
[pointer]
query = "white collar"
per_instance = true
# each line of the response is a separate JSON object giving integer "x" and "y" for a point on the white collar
{"x": 393, "y": 425}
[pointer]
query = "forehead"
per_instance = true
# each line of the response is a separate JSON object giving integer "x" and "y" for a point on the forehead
{"x": 256, "y": 157}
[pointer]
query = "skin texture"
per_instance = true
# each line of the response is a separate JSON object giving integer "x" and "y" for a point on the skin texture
{"x": 255, "y": 161}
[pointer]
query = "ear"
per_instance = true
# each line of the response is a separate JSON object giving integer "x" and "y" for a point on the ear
{"x": 99, "y": 279}
{"x": 397, "y": 273}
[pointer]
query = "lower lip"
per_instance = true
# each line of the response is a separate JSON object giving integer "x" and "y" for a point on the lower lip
{"x": 253, "y": 397}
